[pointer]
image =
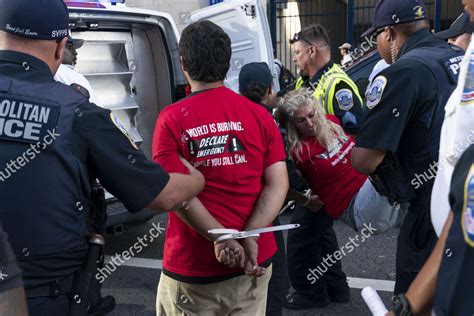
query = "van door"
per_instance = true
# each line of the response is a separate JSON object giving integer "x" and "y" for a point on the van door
{"x": 246, "y": 23}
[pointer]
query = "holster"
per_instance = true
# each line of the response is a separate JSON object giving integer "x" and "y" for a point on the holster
{"x": 82, "y": 294}
{"x": 392, "y": 180}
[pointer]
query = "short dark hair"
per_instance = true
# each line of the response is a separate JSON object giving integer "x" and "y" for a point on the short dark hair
{"x": 254, "y": 92}
{"x": 410, "y": 28}
{"x": 312, "y": 33}
{"x": 205, "y": 50}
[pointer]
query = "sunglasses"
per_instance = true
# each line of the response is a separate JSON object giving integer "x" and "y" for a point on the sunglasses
{"x": 298, "y": 37}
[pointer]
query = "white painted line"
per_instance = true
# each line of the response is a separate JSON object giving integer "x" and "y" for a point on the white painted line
{"x": 138, "y": 262}
{"x": 379, "y": 285}
{"x": 355, "y": 283}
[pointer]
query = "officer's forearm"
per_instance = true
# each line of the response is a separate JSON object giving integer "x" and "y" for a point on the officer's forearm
{"x": 199, "y": 218}
{"x": 13, "y": 302}
{"x": 271, "y": 197}
{"x": 366, "y": 160}
{"x": 180, "y": 188}
{"x": 422, "y": 291}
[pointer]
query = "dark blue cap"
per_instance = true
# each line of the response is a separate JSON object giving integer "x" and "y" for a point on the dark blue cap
{"x": 36, "y": 19}
{"x": 255, "y": 72}
{"x": 462, "y": 25}
{"x": 391, "y": 12}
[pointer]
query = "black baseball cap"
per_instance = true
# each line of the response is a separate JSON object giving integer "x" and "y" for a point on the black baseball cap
{"x": 76, "y": 43}
{"x": 460, "y": 26}
{"x": 255, "y": 72}
{"x": 391, "y": 12}
{"x": 35, "y": 19}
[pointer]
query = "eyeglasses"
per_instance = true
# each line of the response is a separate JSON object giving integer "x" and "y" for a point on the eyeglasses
{"x": 298, "y": 37}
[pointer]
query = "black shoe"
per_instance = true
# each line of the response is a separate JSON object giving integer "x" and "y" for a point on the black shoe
{"x": 340, "y": 293}
{"x": 105, "y": 306}
{"x": 296, "y": 301}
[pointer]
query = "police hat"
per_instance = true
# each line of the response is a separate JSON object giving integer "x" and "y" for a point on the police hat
{"x": 36, "y": 19}
{"x": 460, "y": 26}
{"x": 255, "y": 72}
{"x": 391, "y": 12}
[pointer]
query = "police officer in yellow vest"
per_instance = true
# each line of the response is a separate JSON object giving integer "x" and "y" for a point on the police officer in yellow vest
{"x": 331, "y": 85}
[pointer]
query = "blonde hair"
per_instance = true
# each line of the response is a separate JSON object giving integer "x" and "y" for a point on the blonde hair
{"x": 325, "y": 131}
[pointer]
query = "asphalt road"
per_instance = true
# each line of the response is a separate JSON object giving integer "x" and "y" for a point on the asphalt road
{"x": 134, "y": 282}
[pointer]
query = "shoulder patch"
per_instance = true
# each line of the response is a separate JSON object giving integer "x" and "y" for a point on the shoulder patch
{"x": 124, "y": 131}
{"x": 81, "y": 90}
{"x": 467, "y": 96}
{"x": 376, "y": 91}
{"x": 467, "y": 217}
{"x": 345, "y": 99}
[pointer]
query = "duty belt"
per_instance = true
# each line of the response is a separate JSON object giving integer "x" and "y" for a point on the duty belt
{"x": 53, "y": 289}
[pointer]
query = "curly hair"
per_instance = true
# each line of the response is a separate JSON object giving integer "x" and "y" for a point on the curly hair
{"x": 205, "y": 50}
{"x": 254, "y": 92}
{"x": 325, "y": 131}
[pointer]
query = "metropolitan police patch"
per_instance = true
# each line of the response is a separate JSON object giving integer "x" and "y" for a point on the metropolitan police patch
{"x": 468, "y": 209}
{"x": 124, "y": 131}
{"x": 344, "y": 99}
{"x": 375, "y": 91}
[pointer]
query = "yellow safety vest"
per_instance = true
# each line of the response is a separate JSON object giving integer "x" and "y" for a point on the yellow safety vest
{"x": 325, "y": 89}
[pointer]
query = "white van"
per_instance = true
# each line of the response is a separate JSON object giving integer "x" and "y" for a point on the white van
{"x": 130, "y": 56}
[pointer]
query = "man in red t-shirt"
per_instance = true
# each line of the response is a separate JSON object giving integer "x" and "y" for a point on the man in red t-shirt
{"x": 237, "y": 147}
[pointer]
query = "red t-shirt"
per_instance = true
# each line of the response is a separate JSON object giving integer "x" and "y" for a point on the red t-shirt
{"x": 329, "y": 172}
{"x": 231, "y": 140}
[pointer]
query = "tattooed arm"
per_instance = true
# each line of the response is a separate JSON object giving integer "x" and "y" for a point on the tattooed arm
{"x": 268, "y": 205}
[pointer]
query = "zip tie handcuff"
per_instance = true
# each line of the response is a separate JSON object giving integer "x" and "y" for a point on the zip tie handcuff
{"x": 235, "y": 234}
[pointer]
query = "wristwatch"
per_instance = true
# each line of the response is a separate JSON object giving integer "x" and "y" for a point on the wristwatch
{"x": 401, "y": 306}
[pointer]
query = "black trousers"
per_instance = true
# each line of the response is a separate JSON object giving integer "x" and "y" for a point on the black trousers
{"x": 279, "y": 283}
{"x": 416, "y": 241}
{"x": 307, "y": 246}
{"x": 41, "y": 306}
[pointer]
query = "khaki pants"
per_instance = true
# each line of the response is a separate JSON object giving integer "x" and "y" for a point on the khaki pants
{"x": 243, "y": 295}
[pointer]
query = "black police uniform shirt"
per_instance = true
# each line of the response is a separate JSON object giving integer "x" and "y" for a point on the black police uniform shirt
{"x": 10, "y": 274}
{"x": 350, "y": 120}
{"x": 455, "y": 285}
{"x": 400, "y": 102}
{"x": 100, "y": 147}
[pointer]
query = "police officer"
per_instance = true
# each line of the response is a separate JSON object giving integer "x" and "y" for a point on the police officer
{"x": 399, "y": 138}
{"x": 12, "y": 295}
{"x": 51, "y": 141}
{"x": 446, "y": 282}
{"x": 337, "y": 92}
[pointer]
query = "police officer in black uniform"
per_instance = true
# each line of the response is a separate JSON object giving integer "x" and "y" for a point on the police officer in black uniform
{"x": 51, "y": 141}
{"x": 399, "y": 137}
{"x": 12, "y": 295}
{"x": 446, "y": 282}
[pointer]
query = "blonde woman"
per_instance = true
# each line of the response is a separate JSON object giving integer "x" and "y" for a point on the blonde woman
{"x": 321, "y": 151}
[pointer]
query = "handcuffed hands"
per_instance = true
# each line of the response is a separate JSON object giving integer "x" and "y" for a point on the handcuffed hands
{"x": 251, "y": 251}
{"x": 230, "y": 252}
